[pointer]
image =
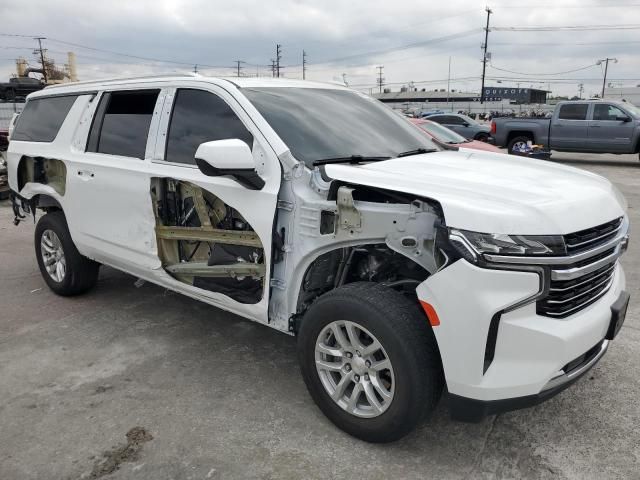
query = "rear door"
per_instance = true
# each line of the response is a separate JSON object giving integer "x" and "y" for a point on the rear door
{"x": 569, "y": 127}
{"x": 107, "y": 181}
{"x": 608, "y": 132}
{"x": 213, "y": 234}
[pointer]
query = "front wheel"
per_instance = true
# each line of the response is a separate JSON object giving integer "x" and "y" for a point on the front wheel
{"x": 482, "y": 137}
{"x": 370, "y": 361}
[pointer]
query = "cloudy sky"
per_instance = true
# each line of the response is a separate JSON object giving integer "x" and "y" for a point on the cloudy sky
{"x": 412, "y": 39}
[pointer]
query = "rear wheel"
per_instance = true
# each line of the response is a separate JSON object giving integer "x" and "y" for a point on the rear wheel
{"x": 10, "y": 95}
{"x": 517, "y": 143}
{"x": 63, "y": 268}
{"x": 482, "y": 137}
{"x": 370, "y": 361}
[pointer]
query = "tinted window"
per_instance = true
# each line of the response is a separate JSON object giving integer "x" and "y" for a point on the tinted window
{"x": 121, "y": 123}
{"x": 325, "y": 123}
{"x": 199, "y": 117}
{"x": 607, "y": 112}
{"x": 441, "y": 133}
{"x": 574, "y": 111}
{"x": 42, "y": 118}
{"x": 447, "y": 120}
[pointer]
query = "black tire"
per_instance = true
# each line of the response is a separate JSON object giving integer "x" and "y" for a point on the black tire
{"x": 408, "y": 340}
{"x": 516, "y": 140}
{"x": 81, "y": 273}
{"x": 10, "y": 95}
{"x": 482, "y": 137}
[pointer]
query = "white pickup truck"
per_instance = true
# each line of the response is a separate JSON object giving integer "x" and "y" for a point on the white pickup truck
{"x": 403, "y": 269}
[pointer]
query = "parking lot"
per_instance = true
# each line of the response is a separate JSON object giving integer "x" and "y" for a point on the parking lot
{"x": 216, "y": 396}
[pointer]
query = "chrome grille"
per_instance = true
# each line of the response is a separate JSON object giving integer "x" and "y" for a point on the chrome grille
{"x": 575, "y": 286}
{"x": 592, "y": 237}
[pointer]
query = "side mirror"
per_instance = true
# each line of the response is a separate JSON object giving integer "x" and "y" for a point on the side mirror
{"x": 623, "y": 118}
{"x": 465, "y": 124}
{"x": 229, "y": 158}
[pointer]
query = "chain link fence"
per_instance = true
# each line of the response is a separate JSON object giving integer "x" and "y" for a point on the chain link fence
{"x": 6, "y": 113}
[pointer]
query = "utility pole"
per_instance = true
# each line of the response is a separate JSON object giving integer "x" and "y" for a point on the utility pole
{"x": 238, "y": 67}
{"x": 484, "y": 55}
{"x": 344, "y": 79}
{"x": 273, "y": 67}
{"x": 606, "y": 67}
{"x": 195, "y": 68}
{"x": 44, "y": 67}
{"x": 380, "y": 80}
{"x": 304, "y": 65}
{"x": 580, "y": 90}
{"x": 278, "y": 58}
{"x": 449, "y": 83}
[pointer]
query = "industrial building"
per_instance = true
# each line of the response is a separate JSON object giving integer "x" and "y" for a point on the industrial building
{"x": 492, "y": 94}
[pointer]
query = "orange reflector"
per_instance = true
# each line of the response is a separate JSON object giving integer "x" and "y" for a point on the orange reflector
{"x": 431, "y": 313}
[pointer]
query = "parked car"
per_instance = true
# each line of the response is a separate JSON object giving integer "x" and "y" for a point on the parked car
{"x": 593, "y": 126}
{"x": 443, "y": 135}
{"x": 315, "y": 210}
{"x": 464, "y": 125}
{"x": 19, "y": 88}
{"x": 4, "y": 181}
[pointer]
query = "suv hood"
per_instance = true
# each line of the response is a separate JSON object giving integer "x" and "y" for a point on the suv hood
{"x": 496, "y": 193}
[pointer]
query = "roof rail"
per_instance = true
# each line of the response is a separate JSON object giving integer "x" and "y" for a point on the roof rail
{"x": 118, "y": 79}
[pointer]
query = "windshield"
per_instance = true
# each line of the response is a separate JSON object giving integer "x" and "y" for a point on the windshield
{"x": 318, "y": 123}
{"x": 631, "y": 108}
{"x": 442, "y": 134}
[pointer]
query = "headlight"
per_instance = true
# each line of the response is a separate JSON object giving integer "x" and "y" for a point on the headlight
{"x": 472, "y": 243}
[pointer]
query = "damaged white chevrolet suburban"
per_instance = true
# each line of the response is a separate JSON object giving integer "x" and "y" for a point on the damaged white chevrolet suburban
{"x": 402, "y": 268}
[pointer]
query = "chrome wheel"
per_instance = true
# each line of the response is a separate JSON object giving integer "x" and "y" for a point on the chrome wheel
{"x": 53, "y": 257}
{"x": 519, "y": 146}
{"x": 354, "y": 369}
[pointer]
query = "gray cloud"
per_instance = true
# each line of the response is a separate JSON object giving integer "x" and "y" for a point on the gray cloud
{"x": 351, "y": 37}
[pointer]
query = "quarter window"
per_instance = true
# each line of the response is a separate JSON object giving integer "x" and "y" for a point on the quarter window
{"x": 121, "y": 123}
{"x": 42, "y": 118}
{"x": 573, "y": 111}
{"x": 200, "y": 117}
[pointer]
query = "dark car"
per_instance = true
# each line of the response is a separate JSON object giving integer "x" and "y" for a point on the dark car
{"x": 4, "y": 183}
{"x": 19, "y": 88}
{"x": 463, "y": 125}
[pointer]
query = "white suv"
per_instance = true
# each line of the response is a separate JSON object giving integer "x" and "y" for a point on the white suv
{"x": 311, "y": 208}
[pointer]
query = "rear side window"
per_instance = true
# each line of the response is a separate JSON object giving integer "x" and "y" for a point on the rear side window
{"x": 199, "y": 117}
{"x": 121, "y": 123}
{"x": 42, "y": 118}
{"x": 573, "y": 111}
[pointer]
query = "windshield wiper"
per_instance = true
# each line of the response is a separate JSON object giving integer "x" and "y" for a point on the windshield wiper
{"x": 417, "y": 151}
{"x": 348, "y": 159}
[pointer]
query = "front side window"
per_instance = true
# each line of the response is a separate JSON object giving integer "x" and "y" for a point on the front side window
{"x": 573, "y": 111}
{"x": 42, "y": 118}
{"x": 200, "y": 117}
{"x": 607, "y": 112}
{"x": 121, "y": 123}
{"x": 317, "y": 123}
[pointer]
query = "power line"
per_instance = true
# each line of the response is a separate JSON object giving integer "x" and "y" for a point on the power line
{"x": 542, "y": 74}
{"x": 570, "y": 28}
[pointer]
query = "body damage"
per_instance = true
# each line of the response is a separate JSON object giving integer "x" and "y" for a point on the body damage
{"x": 344, "y": 234}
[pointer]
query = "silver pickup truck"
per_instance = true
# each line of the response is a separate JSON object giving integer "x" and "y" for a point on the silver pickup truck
{"x": 593, "y": 126}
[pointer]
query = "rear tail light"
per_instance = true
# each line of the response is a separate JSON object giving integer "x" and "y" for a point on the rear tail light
{"x": 493, "y": 127}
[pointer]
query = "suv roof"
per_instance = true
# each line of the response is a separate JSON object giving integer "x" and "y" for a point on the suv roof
{"x": 239, "y": 82}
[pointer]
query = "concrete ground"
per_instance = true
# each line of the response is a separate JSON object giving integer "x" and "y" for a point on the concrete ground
{"x": 204, "y": 394}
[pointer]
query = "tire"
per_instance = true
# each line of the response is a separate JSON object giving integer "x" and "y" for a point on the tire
{"x": 10, "y": 95}
{"x": 407, "y": 342}
{"x": 482, "y": 137}
{"x": 515, "y": 141}
{"x": 78, "y": 274}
